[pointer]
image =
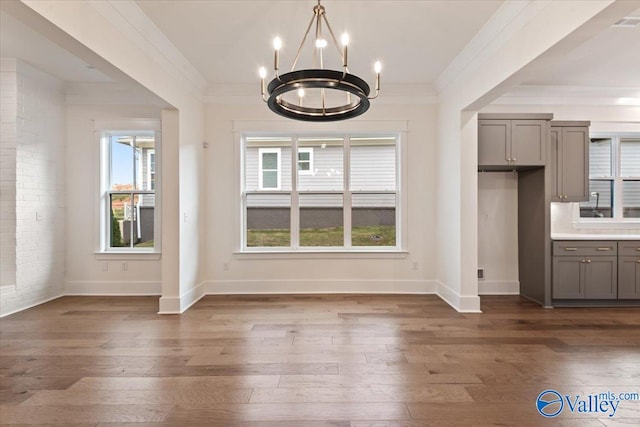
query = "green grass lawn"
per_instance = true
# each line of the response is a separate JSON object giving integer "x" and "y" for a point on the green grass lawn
{"x": 331, "y": 236}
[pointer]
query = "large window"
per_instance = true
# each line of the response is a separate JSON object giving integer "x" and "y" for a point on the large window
{"x": 320, "y": 192}
{"x": 128, "y": 190}
{"x": 614, "y": 178}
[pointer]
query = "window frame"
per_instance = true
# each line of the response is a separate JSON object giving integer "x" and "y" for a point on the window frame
{"x": 617, "y": 219}
{"x": 346, "y": 192}
{"x": 261, "y": 170}
{"x": 103, "y": 130}
{"x": 151, "y": 173}
{"x": 310, "y": 161}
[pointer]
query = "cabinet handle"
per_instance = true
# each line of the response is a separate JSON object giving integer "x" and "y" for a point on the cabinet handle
{"x": 638, "y": 261}
{"x": 583, "y": 261}
{"x": 570, "y": 249}
{"x": 588, "y": 261}
{"x": 638, "y": 249}
{"x": 603, "y": 249}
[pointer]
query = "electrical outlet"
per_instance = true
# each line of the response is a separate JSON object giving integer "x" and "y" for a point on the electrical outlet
{"x": 105, "y": 266}
{"x": 481, "y": 273}
{"x": 225, "y": 266}
{"x": 125, "y": 266}
{"x": 414, "y": 266}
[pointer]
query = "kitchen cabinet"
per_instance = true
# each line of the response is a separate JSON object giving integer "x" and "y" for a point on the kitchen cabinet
{"x": 629, "y": 270}
{"x": 570, "y": 161}
{"x": 585, "y": 270}
{"x": 511, "y": 141}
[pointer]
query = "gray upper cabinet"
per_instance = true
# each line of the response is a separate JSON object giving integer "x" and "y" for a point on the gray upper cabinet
{"x": 510, "y": 141}
{"x": 570, "y": 161}
{"x": 629, "y": 270}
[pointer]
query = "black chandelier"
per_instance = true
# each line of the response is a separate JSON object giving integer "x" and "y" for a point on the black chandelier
{"x": 317, "y": 94}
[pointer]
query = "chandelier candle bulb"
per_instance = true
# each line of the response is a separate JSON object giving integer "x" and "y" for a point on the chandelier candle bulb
{"x": 277, "y": 44}
{"x": 345, "y": 43}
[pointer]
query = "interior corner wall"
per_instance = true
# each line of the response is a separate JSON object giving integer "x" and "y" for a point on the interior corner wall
{"x": 39, "y": 201}
{"x": 270, "y": 273}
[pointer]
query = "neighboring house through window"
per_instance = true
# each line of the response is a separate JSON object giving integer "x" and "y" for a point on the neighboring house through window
{"x": 614, "y": 178}
{"x": 320, "y": 192}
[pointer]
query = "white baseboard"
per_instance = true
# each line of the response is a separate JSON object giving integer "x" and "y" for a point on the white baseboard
{"x": 177, "y": 305}
{"x": 112, "y": 288}
{"x": 462, "y": 304}
{"x": 30, "y": 306}
{"x": 498, "y": 287}
{"x": 226, "y": 287}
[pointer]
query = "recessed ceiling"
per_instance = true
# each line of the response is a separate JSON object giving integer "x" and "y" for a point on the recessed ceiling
{"x": 610, "y": 59}
{"x": 227, "y": 41}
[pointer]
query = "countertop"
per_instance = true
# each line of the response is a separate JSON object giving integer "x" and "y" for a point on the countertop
{"x": 595, "y": 236}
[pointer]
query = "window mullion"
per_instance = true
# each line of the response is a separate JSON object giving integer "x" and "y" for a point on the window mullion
{"x": 295, "y": 200}
{"x": 346, "y": 195}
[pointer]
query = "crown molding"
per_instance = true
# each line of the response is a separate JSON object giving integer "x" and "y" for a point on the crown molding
{"x": 570, "y": 95}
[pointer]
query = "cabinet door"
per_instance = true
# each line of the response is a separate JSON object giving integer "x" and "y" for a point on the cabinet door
{"x": 629, "y": 277}
{"x": 573, "y": 163}
{"x": 568, "y": 277}
{"x": 494, "y": 142}
{"x": 601, "y": 278}
{"x": 528, "y": 142}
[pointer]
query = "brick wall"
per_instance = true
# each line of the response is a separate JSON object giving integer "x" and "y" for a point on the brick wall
{"x": 39, "y": 202}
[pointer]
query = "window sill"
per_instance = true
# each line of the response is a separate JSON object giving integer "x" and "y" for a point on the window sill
{"x": 127, "y": 255}
{"x": 328, "y": 254}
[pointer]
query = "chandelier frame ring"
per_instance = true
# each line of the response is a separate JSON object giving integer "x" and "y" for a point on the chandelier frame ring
{"x": 318, "y": 79}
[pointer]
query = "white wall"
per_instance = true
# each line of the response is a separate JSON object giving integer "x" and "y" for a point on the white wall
{"x": 323, "y": 273}
{"x": 86, "y": 272}
{"x": 498, "y": 232}
{"x": 39, "y": 190}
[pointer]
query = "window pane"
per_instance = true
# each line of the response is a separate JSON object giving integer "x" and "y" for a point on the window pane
{"x": 270, "y": 179}
{"x": 121, "y": 156}
{"x": 321, "y": 220}
{"x": 119, "y": 220}
{"x": 600, "y": 158}
{"x": 326, "y": 173}
{"x": 304, "y": 156}
{"x": 630, "y": 157}
{"x": 373, "y": 218}
{"x": 263, "y": 153}
{"x": 373, "y": 164}
{"x": 601, "y": 201}
{"x": 631, "y": 199}
{"x": 268, "y": 220}
{"x": 269, "y": 161}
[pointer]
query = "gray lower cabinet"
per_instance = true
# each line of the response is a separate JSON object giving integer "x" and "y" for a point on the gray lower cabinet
{"x": 596, "y": 270}
{"x": 629, "y": 270}
{"x": 585, "y": 270}
{"x": 570, "y": 161}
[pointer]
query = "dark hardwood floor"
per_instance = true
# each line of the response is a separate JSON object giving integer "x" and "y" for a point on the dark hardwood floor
{"x": 330, "y": 360}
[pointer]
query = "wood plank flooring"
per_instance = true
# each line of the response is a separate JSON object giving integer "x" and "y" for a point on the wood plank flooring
{"x": 328, "y": 360}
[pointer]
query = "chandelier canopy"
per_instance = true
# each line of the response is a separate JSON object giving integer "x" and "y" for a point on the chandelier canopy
{"x": 317, "y": 94}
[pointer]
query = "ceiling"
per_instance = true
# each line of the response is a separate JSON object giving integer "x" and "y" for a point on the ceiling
{"x": 227, "y": 41}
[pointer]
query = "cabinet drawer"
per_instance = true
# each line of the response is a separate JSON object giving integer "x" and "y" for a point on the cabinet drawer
{"x": 629, "y": 248}
{"x": 585, "y": 248}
